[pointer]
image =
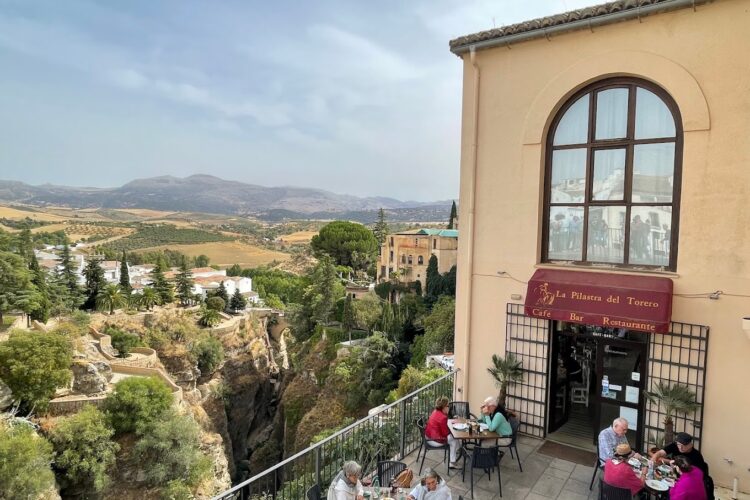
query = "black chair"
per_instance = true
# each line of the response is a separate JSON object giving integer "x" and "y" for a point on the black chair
{"x": 420, "y": 422}
{"x": 609, "y": 492}
{"x": 514, "y": 424}
{"x": 388, "y": 470}
{"x": 485, "y": 459}
{"x": 314, "y": 493}
{"x": 459, "y": 409}
{"x": 598, "y": 465}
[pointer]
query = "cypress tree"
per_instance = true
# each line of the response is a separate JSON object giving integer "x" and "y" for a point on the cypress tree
{"x": 95, "y": 282}
{"x": 124, "y": 275}
{"x": 381, "y": 228}
{"x": 238, "y": 302}
{"x": 434, "y": 280}
{"x": 184, "y": 283}
{"x": 40, "y": 314}
{"x": 222, "y": 292}
{"x": 162, "y": 287}
{"x": 453, "y": 216}
{"x": 67, "y": 271}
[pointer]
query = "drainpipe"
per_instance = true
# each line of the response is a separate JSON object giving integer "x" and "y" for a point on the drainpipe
{"x": 470, "y": 221}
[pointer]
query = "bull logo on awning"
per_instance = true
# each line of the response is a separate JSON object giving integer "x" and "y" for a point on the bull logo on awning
{"x": 546, "y": 298}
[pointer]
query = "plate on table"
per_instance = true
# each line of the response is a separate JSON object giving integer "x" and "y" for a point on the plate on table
{"x": 634, "y": 462}
{"x": 461, "y": 426}
{"x": 664, "y": 469}
{"x": 483, "y": 427}
{"x": 657, "y": 485}
{"x": 670, "y": 482}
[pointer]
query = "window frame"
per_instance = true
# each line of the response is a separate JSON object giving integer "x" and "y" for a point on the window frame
{"x": 628, "y": 143}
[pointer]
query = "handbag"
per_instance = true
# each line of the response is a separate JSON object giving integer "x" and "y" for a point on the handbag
{"x": 403, "y": 480}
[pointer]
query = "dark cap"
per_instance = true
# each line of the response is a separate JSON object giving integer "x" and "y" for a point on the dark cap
{"x": 683, "y": 438}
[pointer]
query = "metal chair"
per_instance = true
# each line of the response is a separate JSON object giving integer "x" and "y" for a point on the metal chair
{"x": 388, "y": 470}
{"x": 598, "y": 465}
{"x": 515, "y": 423}
{"x": 609, "y": 492}
{"x": 459, "y": 409}
{"x": 426, "y": 446}
{"x": 485, "y": 459}
{"x": 314, "y": 493}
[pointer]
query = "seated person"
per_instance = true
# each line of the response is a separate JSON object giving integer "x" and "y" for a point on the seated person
{"x": 436, "y": 430}
{"x": 619, "y": 473}
{"x": 496, "y": 419}
{"x": 610, "y": 437}
{"x": 690, "y": 485}
{"x": 683, "y": 446}
{"x": 432, "y": 487}
{"x": 346, "y": 485}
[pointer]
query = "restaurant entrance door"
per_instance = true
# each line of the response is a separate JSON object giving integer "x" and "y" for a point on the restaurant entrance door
{"x": 596, "y": 375}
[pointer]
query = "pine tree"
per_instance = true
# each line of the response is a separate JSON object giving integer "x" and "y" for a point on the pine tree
{"x": 453, "y": 216}
{"x": 40, "y": 282}
{"x": 184, "y": 282}
{"x": 95, "y": 282}
{"x": 162, "y": 287}
{"x": 124, "y": 275}
{"x": 25, "y": 245}
{"x": 238, "y": 302}
{"x": 67, "y": 272}
{"x": 381, "y": 228}
{"x": 222, "y": 293}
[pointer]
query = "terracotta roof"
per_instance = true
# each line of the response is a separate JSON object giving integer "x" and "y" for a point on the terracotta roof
{"x": 596, "y": 12}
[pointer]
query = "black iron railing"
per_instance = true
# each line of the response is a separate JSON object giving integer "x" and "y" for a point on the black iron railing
{"x": 389, "y": 433}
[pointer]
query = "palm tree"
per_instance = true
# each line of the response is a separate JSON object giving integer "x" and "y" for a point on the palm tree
{"x": 673, "y": 399}
{"x": 110, "y": 297}
{"x": 504, "y": 371}
{"x": 209, "y": 317}
{"x": 149, "y": 298}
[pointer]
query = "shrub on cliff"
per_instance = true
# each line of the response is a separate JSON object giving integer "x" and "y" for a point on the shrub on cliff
{"x": 136, "y": 402}
{"x": 25, "y": 461}
{"x": 34, "y": 365}
{"x": 85, "y": 452}
{"x": 216, "y": 303}
{"x": 124, "y": 342}
{"x": 208, "y": 353}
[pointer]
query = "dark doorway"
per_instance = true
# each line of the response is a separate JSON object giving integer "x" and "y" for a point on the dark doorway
{"x": 580, "y": 357}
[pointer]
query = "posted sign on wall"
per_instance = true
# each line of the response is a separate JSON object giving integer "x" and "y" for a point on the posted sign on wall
{"x": 609, "y": 300}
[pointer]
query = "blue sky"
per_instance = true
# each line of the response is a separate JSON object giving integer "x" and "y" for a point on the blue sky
{"x": 355, "y": 97}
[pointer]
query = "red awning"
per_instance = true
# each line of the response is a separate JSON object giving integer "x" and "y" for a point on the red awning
{"x": 609, "y": 300}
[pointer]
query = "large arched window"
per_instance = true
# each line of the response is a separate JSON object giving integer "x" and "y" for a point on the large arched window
{"x": 612, "y": 185}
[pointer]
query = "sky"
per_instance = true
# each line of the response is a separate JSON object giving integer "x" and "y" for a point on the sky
{"x": 356, "y": 97}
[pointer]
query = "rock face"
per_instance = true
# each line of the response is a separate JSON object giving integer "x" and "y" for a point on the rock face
{"x": 182, "y": 370}
{"x": 6, "y": 396}
{"x": 91, "y": 378}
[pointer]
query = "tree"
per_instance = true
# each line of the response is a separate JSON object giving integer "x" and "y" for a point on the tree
{"x": 673, "y": 399}
{"x": 84, "y": 451}
{"x": 123, "y": 342}
{"x": 209, "y": 317}
{"x": 135, "y": 402}
{"x": 449, "y": 282}
{"x": 25, "y": 460}
{"x": 440, "y": 326}
{"x": 234, "y": 270}
{"x": 434, "y": 281}
{"x": 201, "y": 261}
{"x": 124, "y": 274}
{"x": 17, "y": 291}
{"x": 381, "y": 228}
{"x": 110, "y": 298}
{"x": 149, "y": 298}
{"x": 238, "y": 302}
{"x": 68, "y": 277}
{"x": 39, "y": 280}
{"x": 453, "y": 216}
{"x": 208, "y": 354}
{"x": 367, "y": 311}
{"x": 505, "y": 371}
{"x": 162, "y": 287}
{"x": 34, "y": 364}
{"x": 185, "y": 283}
{"x": 25, "y": 245}
{"x": 321, "y": 295}
{"x": 216, "y": 303}
{"x": 388, "y": 322}
{"x": 341, "y": 239}
{"x": 221, "y": 292}
{"x": 347, "y": 317}
{"x": 95, "y": 282}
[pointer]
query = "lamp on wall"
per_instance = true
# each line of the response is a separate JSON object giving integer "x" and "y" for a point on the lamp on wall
{"x": 746, "y": 325}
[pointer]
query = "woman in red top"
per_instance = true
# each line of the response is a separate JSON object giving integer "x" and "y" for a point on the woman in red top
{"x": 617, "y": 471}
{"x": 436, "y": 431}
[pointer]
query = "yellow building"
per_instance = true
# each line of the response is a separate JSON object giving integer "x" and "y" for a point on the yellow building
{"x": 406, "y": 255}
{"x": 605, "y": 180}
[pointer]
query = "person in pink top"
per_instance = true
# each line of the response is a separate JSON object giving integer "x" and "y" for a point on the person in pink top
{"x": 618, "y": 473}
{"x": 690, "y": 484}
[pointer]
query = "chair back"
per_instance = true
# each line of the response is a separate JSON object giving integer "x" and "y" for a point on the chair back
{"x": 485, "y": 458}
{"x": 388, "y": 470}
{"x": 609, "y": 492}
{"x": 314, "y": 493}
{"x": 515, "y": 424}
{"x": 420, "y": 423}
{"x": 458, "y": 409}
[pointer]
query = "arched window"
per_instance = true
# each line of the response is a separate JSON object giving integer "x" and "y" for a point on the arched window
{"x": 420, "y": 260}
{"x": 612, "y": 185}
{"x": 410, "y": 260}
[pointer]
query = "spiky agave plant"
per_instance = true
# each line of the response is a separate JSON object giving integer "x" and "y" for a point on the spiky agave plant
{"x": 674, "y": 399}
{"x": 505, "y": 370}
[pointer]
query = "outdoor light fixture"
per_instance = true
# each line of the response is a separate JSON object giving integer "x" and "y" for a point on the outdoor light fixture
{"x": 746, "y": 325}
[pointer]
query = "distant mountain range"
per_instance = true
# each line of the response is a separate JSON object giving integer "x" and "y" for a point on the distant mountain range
{"x": 206, "y": 193}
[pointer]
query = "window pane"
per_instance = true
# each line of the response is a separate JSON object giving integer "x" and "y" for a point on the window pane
{"x": 609, "y": 174}
{"x": 650, "y": 235}
{"x": 612, "y": 114}
{"x": 653, "y": 173}
{"x": 565, "y": 233}
{"x": 568, "y": 175}
{"x": 652, "y": 117}
{"x": 606, "y": 235}
{"x": 574, "y": 125}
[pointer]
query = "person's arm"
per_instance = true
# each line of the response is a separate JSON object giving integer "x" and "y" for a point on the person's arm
{"x": 341, "y": 492}
{"x": 494, "y": 424}
{"x": 360, "y": 489}
{"x": 605, "y": 450}
{"x": 414, "y": 494}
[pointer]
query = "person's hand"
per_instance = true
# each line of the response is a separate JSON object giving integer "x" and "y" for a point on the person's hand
{"x": 360, "y": 497}
{"x": 409, "y": 497}
{"x": 637, "y": 456}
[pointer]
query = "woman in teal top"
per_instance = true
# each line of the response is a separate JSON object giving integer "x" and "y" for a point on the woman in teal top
{"x": 496, "y": 421}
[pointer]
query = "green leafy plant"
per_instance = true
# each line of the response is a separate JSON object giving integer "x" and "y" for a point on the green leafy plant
{"x": 216, "y": 303}
{"x": 124, "y": 342}
{"x": 505, "y": 371}
{"x": 25, "y": 460}
{"x": 137, "y": 401}
{"x": 673, "y": 399}
{"x": 209, "y": 317}
{"x": 208, "y": 353}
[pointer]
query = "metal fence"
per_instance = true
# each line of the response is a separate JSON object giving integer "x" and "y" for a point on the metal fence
{"x": 386, "y": 435}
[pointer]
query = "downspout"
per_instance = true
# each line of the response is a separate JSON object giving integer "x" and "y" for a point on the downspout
{"x": 471, "y": 207}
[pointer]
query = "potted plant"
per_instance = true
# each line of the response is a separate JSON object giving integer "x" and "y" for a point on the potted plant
{"x": 504, "y": 371}
{"x": 674, "y": 399}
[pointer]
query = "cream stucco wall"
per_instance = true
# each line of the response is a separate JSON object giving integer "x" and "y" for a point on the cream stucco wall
{"x": 701, "y": 58}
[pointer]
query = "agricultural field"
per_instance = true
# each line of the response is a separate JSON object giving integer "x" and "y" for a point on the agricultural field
{"x": 297, "y": 238}
{"x": 15, "y": 213}
{"x": 226, "y": 253}
{"x": 148, "y": 236}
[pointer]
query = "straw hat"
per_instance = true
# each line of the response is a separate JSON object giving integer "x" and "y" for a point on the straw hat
{"x": 623, "y": 449}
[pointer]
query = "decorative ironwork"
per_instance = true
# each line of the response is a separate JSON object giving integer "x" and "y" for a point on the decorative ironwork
{"x": 528, "y": 339}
